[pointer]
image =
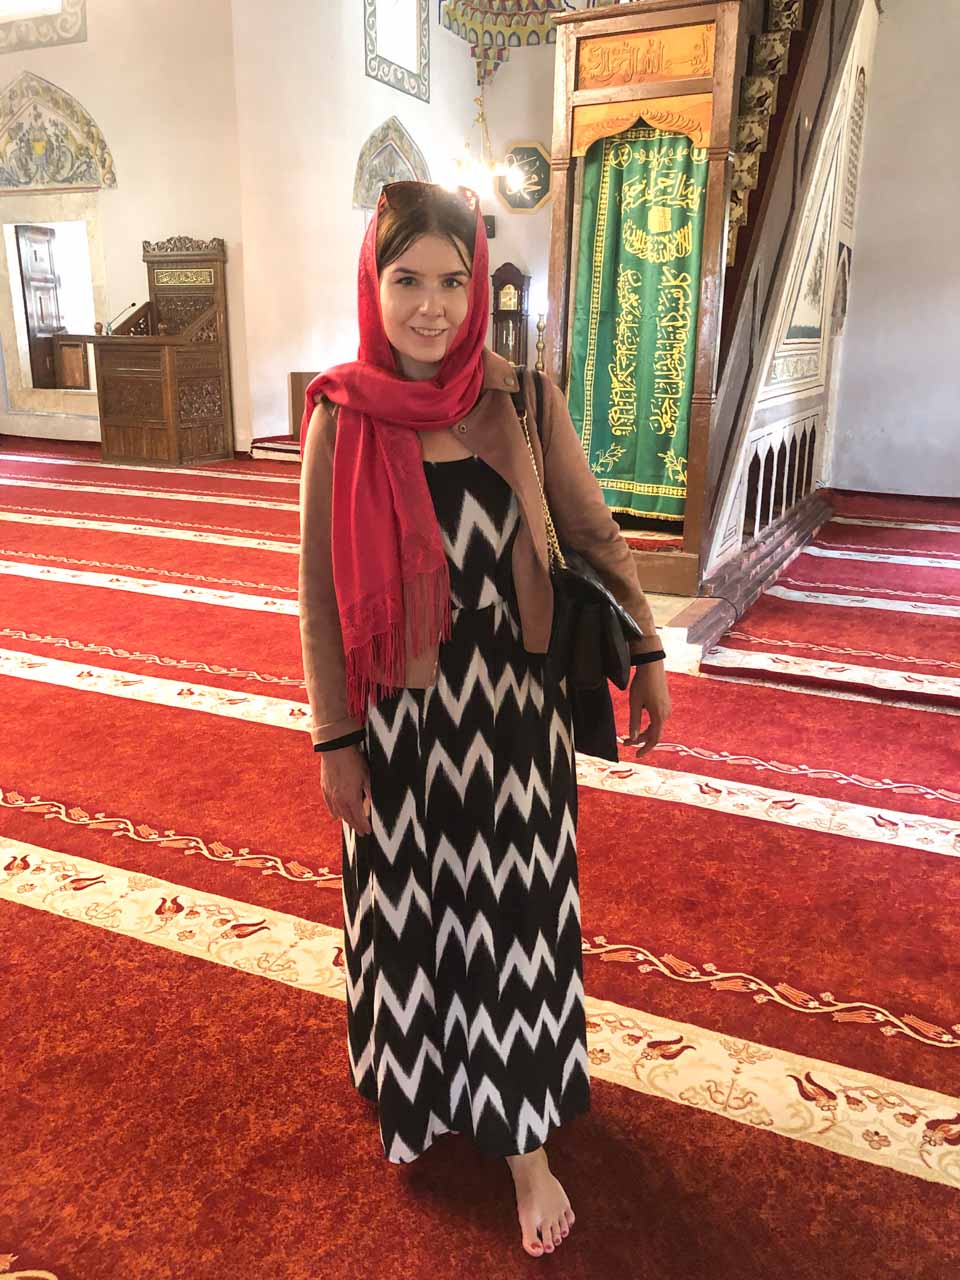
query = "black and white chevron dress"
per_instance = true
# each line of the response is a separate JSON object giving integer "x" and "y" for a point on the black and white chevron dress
{"x": 465, "y": 1004}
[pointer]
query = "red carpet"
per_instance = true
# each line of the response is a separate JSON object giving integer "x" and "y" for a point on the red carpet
{"x": 869, "y": 609}
{"x": 892, "y": 506}
{"x": 201, "y": 1124}
{"x": 753, "y": 734}
{"x": 178, "y": 1114}
{"x": 264, "y": 837}
{"x": 16, "y": 447}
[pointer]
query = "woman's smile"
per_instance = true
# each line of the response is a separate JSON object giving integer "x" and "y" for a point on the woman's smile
{"x": 424, "y": 298}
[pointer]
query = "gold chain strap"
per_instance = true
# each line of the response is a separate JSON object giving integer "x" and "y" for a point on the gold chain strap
{"x": 553, "y": 542}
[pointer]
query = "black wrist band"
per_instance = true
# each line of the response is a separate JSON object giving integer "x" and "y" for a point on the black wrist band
{"x": 348, "y": 740}
{"x": 641, "y": 659}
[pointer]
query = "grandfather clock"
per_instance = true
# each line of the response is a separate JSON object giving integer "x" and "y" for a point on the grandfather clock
{"x": 510, "y": 290}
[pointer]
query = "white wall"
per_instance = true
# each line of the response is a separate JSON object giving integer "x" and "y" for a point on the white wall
{"x": 520, "y": 109}
{"x": 157, "y": 76}
{"x": 898, "y": 417}
{"x": 245, "y": 120}
{"x": 305, "y": 109}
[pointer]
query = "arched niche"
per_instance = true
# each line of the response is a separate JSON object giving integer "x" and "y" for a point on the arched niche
{"x": 48, "y": 140}
{"x": 388, "y": 155}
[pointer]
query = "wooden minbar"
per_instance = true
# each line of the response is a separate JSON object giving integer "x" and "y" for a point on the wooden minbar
{"x": 163, "y": 374}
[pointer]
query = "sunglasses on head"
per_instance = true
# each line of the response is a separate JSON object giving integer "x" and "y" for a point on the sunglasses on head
{"x": 407, "y": 194}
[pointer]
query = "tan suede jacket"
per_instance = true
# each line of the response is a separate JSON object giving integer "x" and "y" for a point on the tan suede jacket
{"x": 491, "y": 430}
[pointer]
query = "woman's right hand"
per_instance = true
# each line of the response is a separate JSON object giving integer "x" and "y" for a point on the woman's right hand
{"x": 345, "y": 779}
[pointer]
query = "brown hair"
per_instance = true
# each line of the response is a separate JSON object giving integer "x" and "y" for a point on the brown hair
{"x": 414, "y": 209}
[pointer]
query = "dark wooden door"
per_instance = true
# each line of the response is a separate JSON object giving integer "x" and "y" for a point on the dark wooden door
{"x": 40, "y": 298}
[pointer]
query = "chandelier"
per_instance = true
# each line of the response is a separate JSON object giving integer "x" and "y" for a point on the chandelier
{"x": 479, "y": 171}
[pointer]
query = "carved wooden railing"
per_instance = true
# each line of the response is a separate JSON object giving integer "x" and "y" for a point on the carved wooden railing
{"x": 779, "y": 475}
{"x": 139, "y": 323}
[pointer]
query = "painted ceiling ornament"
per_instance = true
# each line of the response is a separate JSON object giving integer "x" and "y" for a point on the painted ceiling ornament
{"x": 494, "y": 27}
{"x": 48, "y": 139}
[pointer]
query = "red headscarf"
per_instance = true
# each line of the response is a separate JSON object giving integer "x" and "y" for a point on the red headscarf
{"x": 389, "y": 567}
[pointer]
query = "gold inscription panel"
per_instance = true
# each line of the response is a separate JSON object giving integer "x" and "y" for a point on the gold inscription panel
{"x": 644, "y": 57}
{"x": 183, "y": 276}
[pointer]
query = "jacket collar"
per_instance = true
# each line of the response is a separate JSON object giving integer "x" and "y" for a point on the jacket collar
{"x": 498, "y": 373}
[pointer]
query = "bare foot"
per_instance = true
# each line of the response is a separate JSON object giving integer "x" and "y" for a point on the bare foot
{"x": 542, "y": 1205}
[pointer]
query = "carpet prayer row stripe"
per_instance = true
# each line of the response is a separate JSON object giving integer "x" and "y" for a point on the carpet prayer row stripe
{"x": 147, "y": 586}
{"x": 254, "y": 708}
{"x": 846, "y": 695}
{"x": 865, "y": 602}
{"x": 796, "y": 809}
{"x": 862, "y": 1116}
{"x": 151, "y": 531}
{"x": 881, "y": 679}
{"x": 168, "y": 495}
{"x": 39, "y": 459}
{"x": 883, "y": 557}
{"x": 869, "y": 522}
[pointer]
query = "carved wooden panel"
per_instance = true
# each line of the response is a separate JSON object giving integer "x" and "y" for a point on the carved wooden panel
{"x": 200, "y": 398}
{"x": 196, "y": 359}
{"x": 209, "y": 331}
{"x": 178, "y": 310}
{"x": 644, "y": 57}
{"x": 185, "y": 246}
{"x": 202, "y": 441}
{"x": 126, "y": 357}
{"x": 132, "y": 398}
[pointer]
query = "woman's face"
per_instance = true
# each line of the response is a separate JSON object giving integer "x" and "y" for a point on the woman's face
{"x": 424, "y": 298}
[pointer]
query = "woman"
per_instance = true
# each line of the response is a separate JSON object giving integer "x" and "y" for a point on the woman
{"x": 425, "y": 612}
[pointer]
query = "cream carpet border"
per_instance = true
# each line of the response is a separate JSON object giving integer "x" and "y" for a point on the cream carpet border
{"x": 852, "y": 1113}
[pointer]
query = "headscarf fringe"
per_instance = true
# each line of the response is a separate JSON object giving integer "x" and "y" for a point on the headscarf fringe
{"x": 427, "y": 606}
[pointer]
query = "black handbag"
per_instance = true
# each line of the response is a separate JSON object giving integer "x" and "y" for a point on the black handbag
{"x": 589, "y": 637}
{"x": 589, "y": 642}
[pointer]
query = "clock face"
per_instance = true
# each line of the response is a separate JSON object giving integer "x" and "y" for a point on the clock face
{"x": 528, "y": 188}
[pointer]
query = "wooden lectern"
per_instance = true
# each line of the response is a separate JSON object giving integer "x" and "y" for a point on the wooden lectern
{"x": 163, "y": 375}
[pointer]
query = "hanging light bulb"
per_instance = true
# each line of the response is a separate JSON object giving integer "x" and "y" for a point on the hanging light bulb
{"x": 479, "y": 172}
{"x": 514, "y": 176}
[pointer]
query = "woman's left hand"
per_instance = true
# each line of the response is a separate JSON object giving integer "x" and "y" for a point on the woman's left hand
{"x": 648, "y": 692}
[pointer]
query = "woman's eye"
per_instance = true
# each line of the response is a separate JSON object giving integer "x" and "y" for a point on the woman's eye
{"x": 406, "y": 280}
{"x": 453, "y": 282}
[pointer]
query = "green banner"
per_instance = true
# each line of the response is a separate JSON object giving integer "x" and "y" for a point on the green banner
{"x": 635, "y": 316}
